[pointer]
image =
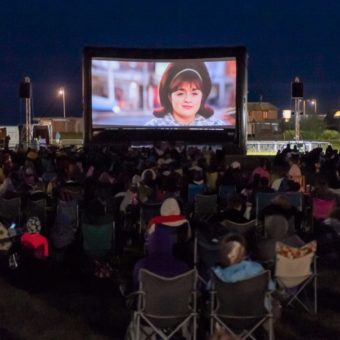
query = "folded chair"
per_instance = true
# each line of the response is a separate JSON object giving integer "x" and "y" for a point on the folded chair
{"x": 241, "y": 307}
{"x": 166, "y": 306}
{"x": 295, "y": 271}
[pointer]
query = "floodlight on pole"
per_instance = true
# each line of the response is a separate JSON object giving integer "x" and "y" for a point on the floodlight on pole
{"x": 61, "y": 92}
{"x": 313, "y": 102}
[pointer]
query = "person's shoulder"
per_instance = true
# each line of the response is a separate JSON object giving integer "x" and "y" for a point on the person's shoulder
{"x": 153, "y": 122}
{"x": 210, "y": 121}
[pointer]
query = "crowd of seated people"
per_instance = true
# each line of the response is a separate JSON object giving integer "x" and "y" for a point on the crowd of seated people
{"x": 134, "y": 177}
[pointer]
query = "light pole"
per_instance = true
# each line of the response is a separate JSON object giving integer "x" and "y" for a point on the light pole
{"x": 313, "y": 102}
{"x": 62, "y": 93}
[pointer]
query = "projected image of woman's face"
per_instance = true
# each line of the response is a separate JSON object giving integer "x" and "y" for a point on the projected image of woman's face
{"x": 186, "y": 101}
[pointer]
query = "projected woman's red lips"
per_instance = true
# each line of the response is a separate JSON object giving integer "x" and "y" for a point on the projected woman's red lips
{"x": 187, "y": 107}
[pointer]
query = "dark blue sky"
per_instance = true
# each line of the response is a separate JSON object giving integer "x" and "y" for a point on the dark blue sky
{"x": 44, "y": 40}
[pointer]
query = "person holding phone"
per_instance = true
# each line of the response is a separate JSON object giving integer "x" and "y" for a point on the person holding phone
{"x": 183, "y": 91}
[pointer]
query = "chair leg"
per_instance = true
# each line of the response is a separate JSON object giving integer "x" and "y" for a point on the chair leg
{"x": 271, "y": 328}
{"x": 315, "y": 296}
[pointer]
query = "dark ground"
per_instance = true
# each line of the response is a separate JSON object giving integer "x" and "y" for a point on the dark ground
{"x": 67, "y": 302}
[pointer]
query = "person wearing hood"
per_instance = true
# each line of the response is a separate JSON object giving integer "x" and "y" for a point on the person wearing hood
{"x": 170, "y": 216}
{"x": 160, "y": 259}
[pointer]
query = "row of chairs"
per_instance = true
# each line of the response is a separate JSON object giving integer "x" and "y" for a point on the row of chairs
{"x": 167, "y": 306}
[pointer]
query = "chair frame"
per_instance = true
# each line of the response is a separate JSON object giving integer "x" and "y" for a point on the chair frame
{"x": 141, "y": 315}
{"x": 205, "y": 202}
{"x": 15, "y": 216}
{"x": 227, "y": 289}
{"x": 264, "y": 199}
{"x": 312, "y": 279}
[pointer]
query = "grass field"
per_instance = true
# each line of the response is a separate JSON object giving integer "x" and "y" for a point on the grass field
{"x": 66, "y": 304}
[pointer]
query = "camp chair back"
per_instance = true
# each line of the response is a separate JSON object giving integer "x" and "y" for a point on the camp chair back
{"x": 248, "y": 230}
{"x": 10, "y": 209}
{"x": 265, "y": 199}
{"x": 208, "y": 254}
{"x": 295, "y": 275}
{"x": 37, "y": 208}
{"x": 166, "y": 305}
{"x": 97, "y": 239}
{"x": 205, "y": 206}
{"x": 239, "y": 307}
{"x": 224, "y": 193}
{"x": 65, "y": 225}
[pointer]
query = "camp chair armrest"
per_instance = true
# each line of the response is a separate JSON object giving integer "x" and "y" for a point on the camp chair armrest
{"x": 136, "y": 296}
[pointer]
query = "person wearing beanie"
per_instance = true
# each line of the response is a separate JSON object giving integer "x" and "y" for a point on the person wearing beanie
{"x": 32, "y": 239}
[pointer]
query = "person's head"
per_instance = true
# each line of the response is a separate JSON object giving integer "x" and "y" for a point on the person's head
{"x": 183, "y": 89}
{"x": 33, "y": 225}
{"x": 281, "y": 201}
{"x": 232, "y": 249}
{"x": 170, "y": 207}
{"x": 235, "y": 201}
{"x": 264, "y": 182}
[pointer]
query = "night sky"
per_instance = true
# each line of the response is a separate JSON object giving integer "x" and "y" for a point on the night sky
{"x": 44, "y": 40}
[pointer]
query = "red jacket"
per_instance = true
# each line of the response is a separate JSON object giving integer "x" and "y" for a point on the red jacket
{"x": 37, "y": 242}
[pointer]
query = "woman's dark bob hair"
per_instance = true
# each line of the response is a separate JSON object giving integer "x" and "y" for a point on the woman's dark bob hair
{"x": 193, "y": 71}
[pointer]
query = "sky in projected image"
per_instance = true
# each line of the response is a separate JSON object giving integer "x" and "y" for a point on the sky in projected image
{"x": 126, "y": 93}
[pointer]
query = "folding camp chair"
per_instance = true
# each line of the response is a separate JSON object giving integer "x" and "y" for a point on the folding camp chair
{"x": 241, "y": 307}
{"x": 208, "y": 254}
{"x": 10, "y": 209}
{"x": 37, "y": 208}
{"x": 295, "y": 273}
{"x": 224, "y": 193}
{"x": 205, "y": 206}
{"x": 65, "y": 225}
{"x": 194, "y": 190}
{"x": 98, "y": 239}
{"x": 247, "y": 229}
{"x": 166, "y": 306}
{"x": 265, "y": 199}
